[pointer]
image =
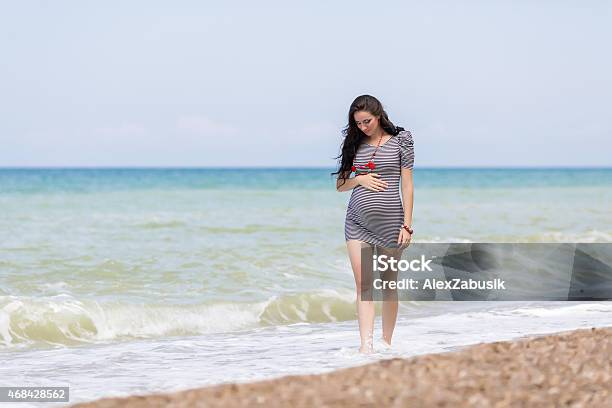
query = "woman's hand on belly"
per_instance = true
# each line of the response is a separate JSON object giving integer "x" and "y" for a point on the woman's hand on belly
{"x": 372, "y": 181}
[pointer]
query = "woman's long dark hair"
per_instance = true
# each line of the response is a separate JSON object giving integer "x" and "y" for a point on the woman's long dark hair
{"x": 353, "y": 136}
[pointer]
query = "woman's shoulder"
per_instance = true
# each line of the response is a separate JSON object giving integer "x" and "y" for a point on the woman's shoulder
{"x": 405, "y": 137}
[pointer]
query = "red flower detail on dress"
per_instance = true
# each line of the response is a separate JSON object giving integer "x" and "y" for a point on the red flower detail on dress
{"x": 370, "y": 165}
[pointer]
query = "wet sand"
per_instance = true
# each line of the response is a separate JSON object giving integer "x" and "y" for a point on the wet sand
{"x": 572, "y": 369}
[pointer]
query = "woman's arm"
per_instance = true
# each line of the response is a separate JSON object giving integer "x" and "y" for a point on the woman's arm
{"x": 348, "y": 184}
{"x": 407, "y": 194}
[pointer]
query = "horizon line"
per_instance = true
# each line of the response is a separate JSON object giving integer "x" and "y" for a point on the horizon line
{"x": 484, "y": 167}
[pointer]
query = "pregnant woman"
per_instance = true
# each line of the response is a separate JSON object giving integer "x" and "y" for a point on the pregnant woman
{"x": 376, "y": 157}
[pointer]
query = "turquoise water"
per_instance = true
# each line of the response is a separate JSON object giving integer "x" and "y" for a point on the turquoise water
{"x": 87, "y": 180}
{"x": 192, "y": 251}
{"x": 140, "y": 265}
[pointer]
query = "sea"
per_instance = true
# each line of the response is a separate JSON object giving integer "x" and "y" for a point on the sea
{"x": 124, "y": 281}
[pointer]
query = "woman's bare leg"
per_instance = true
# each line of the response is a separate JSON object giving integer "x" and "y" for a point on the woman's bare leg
{"x": 365, "y": 309}
{"x": 390, "y": 303}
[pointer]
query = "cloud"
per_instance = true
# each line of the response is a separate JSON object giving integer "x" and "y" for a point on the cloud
{"x": 317, "y": 132}
{"x": 205, "y": 126}
{"x": 127, "y": 130}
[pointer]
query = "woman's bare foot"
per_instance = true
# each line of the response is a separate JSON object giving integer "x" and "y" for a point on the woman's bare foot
{"x": 367, "y": 347}
{"x": 366, "y": 350}
{"x": 385, "y": 344}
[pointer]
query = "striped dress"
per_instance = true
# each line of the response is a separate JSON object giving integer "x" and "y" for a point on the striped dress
{"x": 377, "y": 216}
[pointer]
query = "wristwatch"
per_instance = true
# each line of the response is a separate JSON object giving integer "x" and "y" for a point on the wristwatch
{"x": 407, "y": 228}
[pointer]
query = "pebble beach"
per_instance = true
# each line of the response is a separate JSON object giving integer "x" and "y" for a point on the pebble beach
{"x": 569, "y": 369}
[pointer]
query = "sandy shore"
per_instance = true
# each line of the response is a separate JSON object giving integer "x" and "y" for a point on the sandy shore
{"x": 565, "y": 369}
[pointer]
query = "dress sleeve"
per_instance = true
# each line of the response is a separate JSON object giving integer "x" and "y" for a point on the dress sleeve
{"x": 406, "y": 149}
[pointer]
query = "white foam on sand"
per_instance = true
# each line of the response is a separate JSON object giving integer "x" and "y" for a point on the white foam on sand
{"x": 156, "y": 365}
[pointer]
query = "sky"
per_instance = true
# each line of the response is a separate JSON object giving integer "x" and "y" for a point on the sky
{"x": 269, "y": 83}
